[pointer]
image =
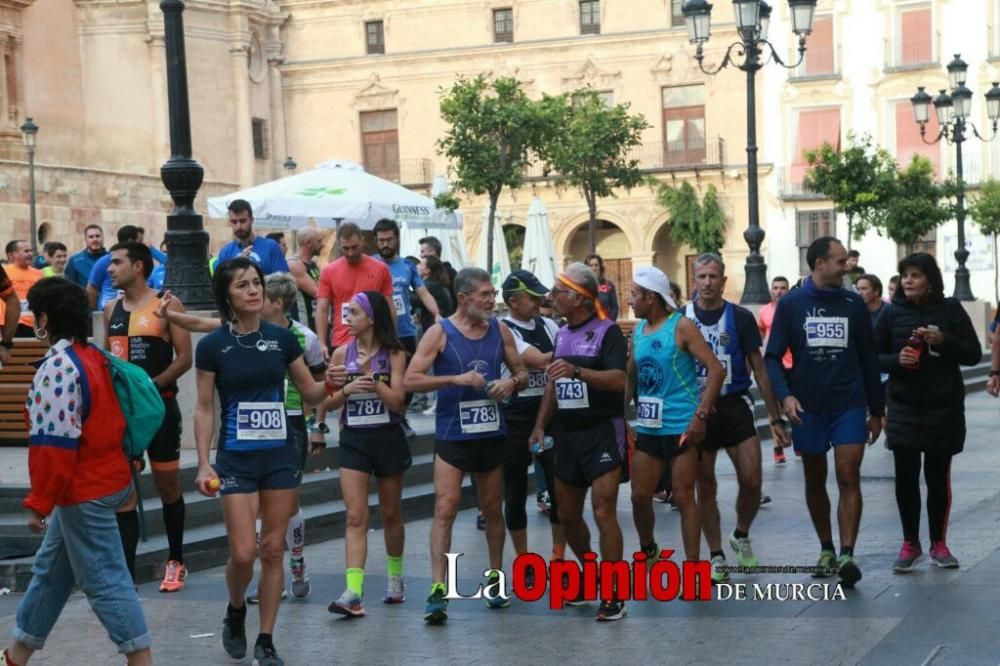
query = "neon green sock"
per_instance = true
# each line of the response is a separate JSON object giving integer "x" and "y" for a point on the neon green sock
{"x": 355, "y": 580}
{"x": 439, "y": 586}
{"x": 395, "y": 565}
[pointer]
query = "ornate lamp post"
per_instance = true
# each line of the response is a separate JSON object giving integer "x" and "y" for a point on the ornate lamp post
{"x": 952, "y": 114}
{"x": 753, "y": 19}
{"x": 290, "y": 166}
{"x": 29, "y": 132}
{"x": 187, "y": 241}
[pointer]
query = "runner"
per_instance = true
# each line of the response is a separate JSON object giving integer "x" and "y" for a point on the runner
{"x": 833, "y": 383}
{"x": 372, "y": 441}
{"x": 258, "y": 464}
{"x": 467, "y": 351}
{"x": 280, "y": 291}
{"x": 133, "y": 332}
{"x": 672, "y": 416}
{"x": 302, "y": 266}
{"x": 779, "y": 287}
{"x": 587, "y": 381}
{"x": 534, "y": 336}
{"x": 732, "y": 334}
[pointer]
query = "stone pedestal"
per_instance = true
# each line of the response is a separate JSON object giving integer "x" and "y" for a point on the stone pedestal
{"x": 979, "y": 312}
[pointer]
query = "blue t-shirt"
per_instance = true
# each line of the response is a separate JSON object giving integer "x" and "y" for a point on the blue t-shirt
{"x": 79, "y": 266}
{"x": 404, "y": 279}
{"x": 100, "y": 279}
{"x": 250, "y": 377}
{"x": 266, "y": 253}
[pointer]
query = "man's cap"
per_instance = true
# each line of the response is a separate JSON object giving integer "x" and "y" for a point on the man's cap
{"x": 653, "y": 279}
{"x": 522, "y": 280}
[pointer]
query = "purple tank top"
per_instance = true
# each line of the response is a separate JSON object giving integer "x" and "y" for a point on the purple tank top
{"x": 366, "y": 410}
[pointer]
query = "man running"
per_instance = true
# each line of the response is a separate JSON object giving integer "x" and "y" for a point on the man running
{"x": 672, "y": 415}
{"x": 264, "y": 252}
{"x": 587, "y": 382}
{"x": 134, "y": 333}
{"x": 832, "y": 386}
{"x": 467, "y": 351}
{"x": 302, "y": 266}
{"x": 731, "y": 331}
{"x": 779, "y": 287}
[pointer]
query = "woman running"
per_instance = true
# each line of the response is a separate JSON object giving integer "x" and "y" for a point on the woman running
{"x": 372, "y": 441}
{"x": 258, "y": 462}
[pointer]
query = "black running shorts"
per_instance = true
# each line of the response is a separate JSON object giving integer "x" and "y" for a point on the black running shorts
{"x": 474, "y": 456}
{"x": 380, "y": 451}
{"x": 732, "y": 423}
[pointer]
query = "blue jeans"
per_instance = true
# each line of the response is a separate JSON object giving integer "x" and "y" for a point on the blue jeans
{"x": 82, "y": 546}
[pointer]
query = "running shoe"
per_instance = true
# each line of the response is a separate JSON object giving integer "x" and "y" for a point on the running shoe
{"x": 848, "y": 570}
{"x": 779, "y": 456}
{"x": 395, "y": 591}
{"x": 744, "y": 549}
{"x": 436, "y": 611}
{"x": 718, "y": 575}
{"x": 234, "y": 633}
{"x": 173, "y": 579}
{"x": 662, "y": 497}
{"x": 942, "y": 557}
{"x": 909, "y": 555}
{"x": 827, "y": 564}
{"x": 652, "y": 552}
{"x": 544, "y": 501}
{"x": 481, "y": 522}
{"x": 300, "y": 581}
{"x": 348, "y": 604}
{"x": 431, "y": 411}
{"x": 765, "y": 499}
{"x": 611, "y": 611}
{"x": 497, "y": 602}
{"x": 254, "y": 597}
{"x": 266, "y": 655}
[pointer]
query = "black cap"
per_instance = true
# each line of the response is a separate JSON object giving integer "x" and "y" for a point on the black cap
{"x": 522, "y": 280}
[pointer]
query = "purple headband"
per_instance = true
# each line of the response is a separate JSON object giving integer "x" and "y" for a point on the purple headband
{"x": 361, "y": 298}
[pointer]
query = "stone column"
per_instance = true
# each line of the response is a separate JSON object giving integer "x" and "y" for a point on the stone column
{"x": 158, "y": 89}
{"x": 279, "y": 138}
{"x": 241, "y": 111}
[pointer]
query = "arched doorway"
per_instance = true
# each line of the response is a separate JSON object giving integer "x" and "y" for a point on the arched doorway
{"x": 616, "y": 250}
{"x": 513, "y": 234}
{"x": 674, "y": 259}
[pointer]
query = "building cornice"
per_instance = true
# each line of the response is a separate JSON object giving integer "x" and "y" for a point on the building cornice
{"x": 16, "y": 5}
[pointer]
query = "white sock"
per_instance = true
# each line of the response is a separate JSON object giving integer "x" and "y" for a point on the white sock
{"x": 295, "y": 536}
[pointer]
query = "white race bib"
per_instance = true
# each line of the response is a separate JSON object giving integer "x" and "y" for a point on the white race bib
{"x": 476, "y": 416}
{"x": 727, "y": 369}
{"x": 572, "y": 394}
{"x": 345, "y": 311}
{"x": 397, "y": 301}
{"x": 650, "y": 412}
{"x": 257, "y": 421}
{"x": 536, "y": 384}
{"x": 827, "y": 332}
{"x": 366, "y": 409}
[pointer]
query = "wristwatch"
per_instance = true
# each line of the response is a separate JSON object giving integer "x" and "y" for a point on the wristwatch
{"x": 7, "y": 344}
{"x": 702, "y": 414}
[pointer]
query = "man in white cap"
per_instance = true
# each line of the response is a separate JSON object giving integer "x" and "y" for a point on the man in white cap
{"x": 672, "y": 410}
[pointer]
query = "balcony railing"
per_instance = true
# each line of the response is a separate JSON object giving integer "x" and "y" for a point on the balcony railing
{"x": 791, "y": 186}
{"x": 410, "y": 172}
{"x": 653, "y": 158}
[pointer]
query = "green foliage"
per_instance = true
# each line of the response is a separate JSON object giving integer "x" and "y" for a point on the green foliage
{"x": 985, "y": 208}
{"x": 700, "y": 225}
{"x": 447, "y": 201}
{"x": 513, "y": 236}
{"x": 915, "y": 207}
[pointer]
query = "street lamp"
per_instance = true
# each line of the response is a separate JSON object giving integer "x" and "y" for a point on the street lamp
{"x": 953, "y": 111}
{"x": 290, "y": 166}
{"x": 29, "y": 132}
{"x": 752, "y": 23}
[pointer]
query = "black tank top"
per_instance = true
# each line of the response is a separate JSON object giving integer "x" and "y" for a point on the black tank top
{"x": 142, "y": 338}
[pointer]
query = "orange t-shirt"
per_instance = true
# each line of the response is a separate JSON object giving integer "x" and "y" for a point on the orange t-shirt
{"x": 22, "y": 279}
{"x": 766, "y": 317}
{"x": 340, "y": 280}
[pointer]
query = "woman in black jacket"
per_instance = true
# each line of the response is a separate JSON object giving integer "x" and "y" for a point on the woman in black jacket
{"x": 926, "y": 399}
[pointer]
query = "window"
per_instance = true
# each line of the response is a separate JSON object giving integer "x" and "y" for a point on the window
{"x": 684, "y": 125}
{"x": 819, "y": 58}
{"x": 914, "y": 44}
{"x": 503, "y": 25}
{"x": 908, "y": 141}
{"x": 590, "y": 17}
{"x": 380, "y": 144}
{"x": 815, "y": 127}
{"x": 260, "y": 138}
{"x": 677, "y": 13}
{"x": 810, "y": 225}
{"x": 607, "y": 96}
{"x": 374, "y": 37}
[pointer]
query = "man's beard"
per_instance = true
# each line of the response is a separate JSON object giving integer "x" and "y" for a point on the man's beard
{"x": 387, "y": 252}
{"x": 481, "y": 314}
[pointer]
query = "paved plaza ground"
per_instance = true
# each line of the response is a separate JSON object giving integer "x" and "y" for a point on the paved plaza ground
{"x": 931, "y": 616}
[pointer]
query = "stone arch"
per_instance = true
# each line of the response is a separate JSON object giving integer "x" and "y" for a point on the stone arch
{"x": 44, "y": 233}
{"x": 615, "y": 244}
{"x": 564, "y": 236}
{"x": 669, "y": 256}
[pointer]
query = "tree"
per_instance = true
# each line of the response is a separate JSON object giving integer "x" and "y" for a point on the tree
{"x": 916, "y": 206}
{"x": 700, "y": 225}
{"x": 590, "y": 149}
{"x": 493, "y": 128}
{"x": 985, "y": 210}
{"x": 859, "y": 181}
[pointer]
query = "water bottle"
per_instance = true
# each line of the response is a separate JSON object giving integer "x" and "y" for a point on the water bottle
{"x": 547, "y": 443}
{"x": 916, "y": 343}
{"x": 489, "y": 387}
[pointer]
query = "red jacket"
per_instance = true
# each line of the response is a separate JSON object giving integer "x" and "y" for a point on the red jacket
{"x": 75, "y": 430}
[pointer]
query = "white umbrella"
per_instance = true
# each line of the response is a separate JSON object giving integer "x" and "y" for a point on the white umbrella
{"x": 447, "y": 231}
{"x": 539, "y": 256}
{"x": 336, "y": 191}
{"x": 501, "y": 259}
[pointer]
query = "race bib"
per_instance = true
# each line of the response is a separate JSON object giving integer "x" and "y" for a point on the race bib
{"x": 826, "y": 332}
{"x": 650, "y": 412}
{"x": 572, "y": 394}
{"x": 727, "y": 369}
{"x": 397, "y": 301}
{"x": 256, "y": 421}
{"x": 345, "y": 311}
{"x": 476, "y": 416}
{"x": 536, "y": 385}
{"x": 365, "y": 409}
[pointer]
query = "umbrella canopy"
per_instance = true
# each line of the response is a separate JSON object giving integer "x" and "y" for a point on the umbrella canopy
{"x": 501, "y": 259}
{"x": 539, "y": 255}
{"x": 452, "y": 242}
{"x": 336, "y": 191}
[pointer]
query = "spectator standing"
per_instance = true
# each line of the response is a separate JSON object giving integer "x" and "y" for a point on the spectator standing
{"x": 262, "y": 251}
{"x": 853, "y": 270}
{"x": 80, "y": 265}
{"x": 100, "y": 289}
{"x": 302, "y": 266}
{"x": 435, "y": 277}
{"x": 23, "y": 276}
{"x": 430, "y": 246}
{"x": 606, "y": 291}
{"x": 56, "y": 257}
{"x": 870, "y": 289}
{"x": 279, "y": 238}
{"x": 10, "y": 304}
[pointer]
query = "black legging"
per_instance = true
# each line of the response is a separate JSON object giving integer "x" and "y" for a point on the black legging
{"x": 937, "y": 476}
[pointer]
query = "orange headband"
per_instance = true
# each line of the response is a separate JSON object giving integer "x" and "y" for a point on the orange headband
{"x": 579, "y": 289}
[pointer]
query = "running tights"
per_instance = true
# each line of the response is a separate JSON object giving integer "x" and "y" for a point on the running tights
{"x": 515, "y": 490}
{"x": 937, "y": 475}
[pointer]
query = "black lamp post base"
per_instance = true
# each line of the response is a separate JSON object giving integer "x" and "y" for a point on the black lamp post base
{"x": 755, "y": 291}
{"x": 188, "y": 276}
{"x": 963, "y": 288}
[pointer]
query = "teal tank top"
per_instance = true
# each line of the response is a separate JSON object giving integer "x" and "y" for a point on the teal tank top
{"x": 668, "y": 391}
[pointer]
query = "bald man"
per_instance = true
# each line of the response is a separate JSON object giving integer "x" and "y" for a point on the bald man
{"x": 306, "y": 273}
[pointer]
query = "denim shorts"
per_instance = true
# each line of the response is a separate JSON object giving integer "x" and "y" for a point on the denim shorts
{"x": 253, "y": 471}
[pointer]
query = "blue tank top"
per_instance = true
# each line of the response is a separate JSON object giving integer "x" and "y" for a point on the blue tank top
{"x": 724, "y": 340}
{"x": 668, "y": 392}
{"x": 465, "y": 413}
{"x": 366, "y": 410}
